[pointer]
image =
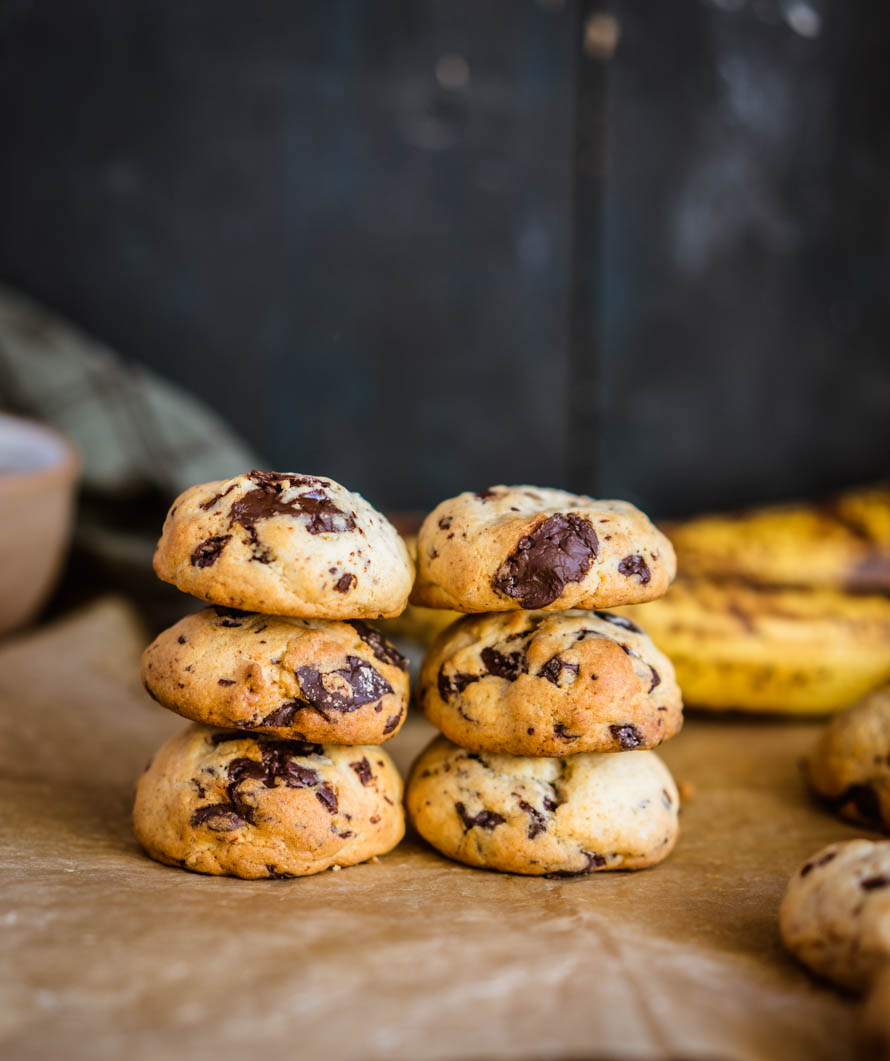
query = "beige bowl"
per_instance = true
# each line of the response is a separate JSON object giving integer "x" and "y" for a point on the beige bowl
{"x": 38, "y": 473}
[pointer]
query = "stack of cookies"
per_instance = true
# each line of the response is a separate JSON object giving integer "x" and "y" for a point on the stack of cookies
{"x": 289, "y": 689}
{"x": 536, "y": 695}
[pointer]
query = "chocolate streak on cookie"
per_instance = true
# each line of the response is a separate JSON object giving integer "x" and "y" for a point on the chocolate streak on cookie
{"x": 378, "y": 644}
{"x": 553, "y": 668}
{"x": 365, "y": 684}
{"x": 618, "y": 620}
{"x": 207, "y": 552}
{"x": 507, "y": 665}
{"x": 558, "y": 551}
{"x": 537, "y": 822}
{"x": 363, "y": 768}
{"x": 485, "y": 819}
{"x": 265, "y": 502}
{"x": 276, "y": 764}
{"x": 635, "y": 565}
{"x": 627, "y": 735}
{"x": 211, "y": 501}
{"x": 454, "y": 684}
{"x": 392, "y": 722}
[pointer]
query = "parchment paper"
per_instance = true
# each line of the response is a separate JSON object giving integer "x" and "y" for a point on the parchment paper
{"x": 106, "y": 954}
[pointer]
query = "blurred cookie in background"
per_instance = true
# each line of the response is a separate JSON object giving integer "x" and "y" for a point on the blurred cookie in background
{"x": 850, "y": 766}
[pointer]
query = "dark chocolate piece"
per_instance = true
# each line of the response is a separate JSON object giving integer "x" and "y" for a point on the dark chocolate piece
{"x": 207, "y": 553}
{"x": 363, "y": 768}
{"x": 635, "y": 565}
{"x": 365, "y": 684}
{"x": 485, "y": 819}
{"x": 560, "y": 550}
{"x": 505, "y": 665}
{"x": 619, "y": 620}
{"x": 627, "y": 735}
{"x": 378, "y": 644}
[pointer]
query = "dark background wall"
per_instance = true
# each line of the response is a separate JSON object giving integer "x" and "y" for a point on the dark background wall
{"x": 350, "y": 227}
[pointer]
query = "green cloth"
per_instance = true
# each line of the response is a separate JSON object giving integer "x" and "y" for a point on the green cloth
{"x": 134, "y": 429}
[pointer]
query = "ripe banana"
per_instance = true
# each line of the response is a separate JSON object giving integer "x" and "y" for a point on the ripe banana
{"x": 844, "y": 544}
{"x": 735, "y": 646}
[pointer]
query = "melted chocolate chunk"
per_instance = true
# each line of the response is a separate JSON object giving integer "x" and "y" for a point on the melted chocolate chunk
{"x": 560, "y": 550}
{"x": 221, "y": 817}
{"x": 484, "y": 495}
{"x": 327, "y": 798}
{"x": 363, "y": 769}
{"x": 226, "y": 681}
{"x": 266, "y": 501}
{"x": 211, "y": 501}
{"x": 207, "y": 553}
{"x": 378, "y": 644}
{"x": 392, "y": 722}
{"x": 285, "y": 715}
{"x": 445, "y": 523}
{"x": 345, "y": 583}
{"x": 553, "y": 668}
{"x": 618, "y": 620}
{"x": 302, "y": 748}
{"x": 537, "y": 822}
{"x": 594, "y": 861}
{"x": 824, "y": 860}
{"x": 181, "y": 639}
{"x": 635, "y": 565}
{"x": 276, "y": 764}
{"x": 276, "y": 874}
{"x": 656, "y": 678}
{"x": 455, "y": 683}
{"x": 485, "y": 819}
{"x": 628, "y": 736}
{"x": 871, "y": 883}
{"x": 505, "y": 665}
{"x": 359, "y": 684}
{"x": 560, "y": 730}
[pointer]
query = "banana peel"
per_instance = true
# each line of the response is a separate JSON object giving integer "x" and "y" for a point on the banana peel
{"x": 791, "y": 651}
{"x": 843, "y": 544}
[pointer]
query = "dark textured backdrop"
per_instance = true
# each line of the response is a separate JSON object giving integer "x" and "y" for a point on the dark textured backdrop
{"x": 370, "y": 259}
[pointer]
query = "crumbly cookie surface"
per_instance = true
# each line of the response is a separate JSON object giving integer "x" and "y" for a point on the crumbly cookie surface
{"x": 296, "y": 679}
{"x": 225, "y": 803}
{"x": 544, "y": 683}
{"x": 835, "y": 915}
{"x": 850, "y": 765}
{"x": 285, "y": 544}
{"x": 536, "y": 816}
{"x": 513, "y": 547}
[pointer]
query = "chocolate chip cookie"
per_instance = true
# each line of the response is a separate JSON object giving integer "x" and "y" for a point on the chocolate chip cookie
{"x": 285, "y": 544}
{"x": 850, "y": 766}
{"x": 835, "y": 915}
{"x": 578, "y": 814}
{"x": 297, "y": 679}
{"x": 545, "y": 683}
{"x": 512, "y": 547}
{"x": 226, "y": 803}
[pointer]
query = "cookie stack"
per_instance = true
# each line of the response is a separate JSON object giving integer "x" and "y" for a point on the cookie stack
{"x": 289, "y": 689}
{"x": 535, "y": 695}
